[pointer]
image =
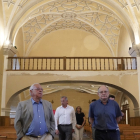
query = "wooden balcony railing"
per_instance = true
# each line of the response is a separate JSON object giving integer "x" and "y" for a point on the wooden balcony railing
{"x": 71, "y": 63}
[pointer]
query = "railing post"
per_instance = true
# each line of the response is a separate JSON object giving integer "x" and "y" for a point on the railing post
{"x": 64, "y": 63}
{"x": 122, "y": 64}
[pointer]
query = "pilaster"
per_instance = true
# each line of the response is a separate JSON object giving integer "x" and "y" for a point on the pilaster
{"x": 135, "y": 52}
{"x": 8, "y": 50}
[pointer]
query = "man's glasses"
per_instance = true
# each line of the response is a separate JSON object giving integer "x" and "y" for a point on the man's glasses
{"x": 38, "y": 89}
{"x": 103, "y": 92}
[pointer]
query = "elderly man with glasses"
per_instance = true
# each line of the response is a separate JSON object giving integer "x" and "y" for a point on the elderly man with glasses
{"x": 106, "y": 114}
{"x": 34, "y": 118}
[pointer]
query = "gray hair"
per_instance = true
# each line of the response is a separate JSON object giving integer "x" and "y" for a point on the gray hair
{"x": 65, "y": 98}
{"x": 101, "y": 86}
{"x": 32, "y": 86}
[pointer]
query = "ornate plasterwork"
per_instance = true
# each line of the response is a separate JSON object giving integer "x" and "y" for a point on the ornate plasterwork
{"x": 81, "y": 87}
{"x": 59, "y": 5}
{"x": 9, "y": 2}
{"x": 12, "y": 7}
{"x": 82, "y": 14}
{"x": 73, "y": 24}
{"x": 129, "y": 7}
{"x": 21, "y": 5}
{"x": 80, "y": 8}
{"x": 55, "y": 88}
{"x": 33, "y": 26}
{"x": 136, "y": 3}
{"x": 77, "y": 6}
{"x": 108, "y": 25}
{"x": 123, "y": 4}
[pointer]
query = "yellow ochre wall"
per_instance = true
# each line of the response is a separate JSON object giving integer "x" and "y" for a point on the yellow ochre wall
{"x": 70, "y": 43}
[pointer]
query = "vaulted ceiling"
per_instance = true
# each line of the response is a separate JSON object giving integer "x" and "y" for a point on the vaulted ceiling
{"x": 102, "y": 18}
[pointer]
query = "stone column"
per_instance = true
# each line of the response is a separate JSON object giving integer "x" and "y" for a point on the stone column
{"x": 7, "y": 51}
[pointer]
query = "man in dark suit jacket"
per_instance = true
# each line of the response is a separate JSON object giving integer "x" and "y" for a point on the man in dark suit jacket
{"x": 34, "y": 117}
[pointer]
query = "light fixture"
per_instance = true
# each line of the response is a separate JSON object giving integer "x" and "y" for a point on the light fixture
{"x": 15, "y": 47}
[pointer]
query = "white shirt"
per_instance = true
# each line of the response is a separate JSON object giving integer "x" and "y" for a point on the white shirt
{"x": 65, "y": 116}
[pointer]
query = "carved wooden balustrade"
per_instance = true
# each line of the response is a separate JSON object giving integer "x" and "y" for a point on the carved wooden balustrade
{"x": 71, "y": 63}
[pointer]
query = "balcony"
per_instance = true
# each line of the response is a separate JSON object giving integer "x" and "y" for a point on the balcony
{"x": 71, "y": 63}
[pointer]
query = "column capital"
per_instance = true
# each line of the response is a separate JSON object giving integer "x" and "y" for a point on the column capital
{"x": 135, "y": 50}
{"x": 9, "y": 50}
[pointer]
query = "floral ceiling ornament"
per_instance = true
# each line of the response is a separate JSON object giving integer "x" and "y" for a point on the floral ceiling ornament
{"x": 73, "y": 24}
{"x": 33, "y": 26}
{"x": 73, "y": 14}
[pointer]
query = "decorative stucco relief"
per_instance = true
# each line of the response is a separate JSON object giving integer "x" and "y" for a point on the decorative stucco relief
{"x": 24, "y": 3}
{"x": 8, "y": 6}
{"x": 75, "y": 24}
{"x": 123, "y": 4}
{"x": 48, "y": 89}
{"x": 129, "y": 7}
{"x": 21, "y": 5}
{"x": 12, "y": 7}
{"x": 136, "y": 4}
{"x": 108, "y": 25}
{"x": 77, "y": 6}
{"x": 104, "y": 23}
{"x": 9, "y": 2}
{"x": 95, "y": 14}
{"x": 33, "y": 26}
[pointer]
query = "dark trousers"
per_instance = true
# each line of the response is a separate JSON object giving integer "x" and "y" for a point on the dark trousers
{"x": 65, "y": 132}
{"x": 107, "y": 135}
{"x": 93, "y": 133}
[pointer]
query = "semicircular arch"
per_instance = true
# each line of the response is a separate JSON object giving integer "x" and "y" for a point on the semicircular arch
{"x": 134, "y": 100}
